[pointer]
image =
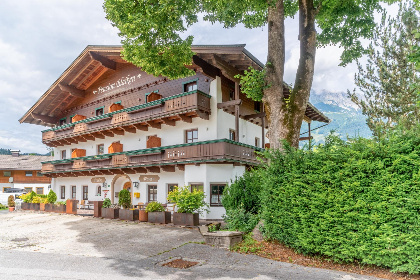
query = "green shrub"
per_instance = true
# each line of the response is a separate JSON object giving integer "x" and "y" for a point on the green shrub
{"x": 36, "y": 199}
{"x": 107, "y": 203}
{"x": 242, "y": 202}
{"x": 154, "y": 206}
{"x": 124, "y": 199}
{"x": 187, "y": 201}
{"x": 51, "y": 197}
{"x": 11, "y": 201}
{"x": 27, "y": 198}
{"x": 2, "y": 207}
{"x": 61, "y": 203}
{"x": 348, "y": 200}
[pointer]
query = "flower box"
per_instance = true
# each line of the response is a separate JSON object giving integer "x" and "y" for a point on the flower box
{"x": 110, "y": 213}
{"x": 34, "y": 206}
{"x": 25, "y": 206}
{"x": 129, "y": 215}
{"x": 61, "y": 208}
{"x": 42, "y": 207}
{"x": 159, "y": 217}
{"x": 186, "y": 219}
{"x": 49, "y": 207}
{"x": 71, "y": 206}
{"x": 97, "y": 209}
{"x": 143, "y": 216}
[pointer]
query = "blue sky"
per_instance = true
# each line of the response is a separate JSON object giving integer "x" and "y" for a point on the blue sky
{"x": 40, "y": 38}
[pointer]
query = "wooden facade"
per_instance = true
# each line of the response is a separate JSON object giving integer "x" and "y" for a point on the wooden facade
{"x": 20, "y": 177}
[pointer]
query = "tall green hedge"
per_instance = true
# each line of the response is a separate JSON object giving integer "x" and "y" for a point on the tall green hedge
{"x": 348, "y": 200}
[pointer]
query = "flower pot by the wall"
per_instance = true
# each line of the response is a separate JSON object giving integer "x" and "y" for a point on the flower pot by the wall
{"x": 11, "y": 209}
{"x": 49, "y": 207}
{"x": 186, "y": 219}
{"x": 159, "y": 217}
{"x": 42, "y": 207}
{"x": 60, "y": 209}
{"x": 71, "y": 206}
{"x": 110, "y": 213}
{"x": 143, "y": 215}
{"x": 25, "y": 206}
{"x": 97, "y": 209}
{"x": 128, "y": 215}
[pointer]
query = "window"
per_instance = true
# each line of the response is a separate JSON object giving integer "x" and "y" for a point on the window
{"x": 191, "y": 135}
{"x": 257, "y": 142}
{"x": 216, "y": 194}
{"x": 232, "y": 134}
{"x": 63, "y": 121}
{"x": 257, "y": 106}
{"x": 5, "y": 188}
{"x": 63, "y": 192}
{"x": 63, "y": 154}
{"x": 100, "y": 149}
{"x": 73, "y": 192}
{"x": 71, "y": 118}
{"x": 99, "y": 111}
{"x": 98, "y": 190}
{"x": 232, "y": 94}
{"x": 7, "y": 173}
{"x": 28, "y": 173}
{"x": 39, "y": 190}
{"x": 197, "y": 187}
{"x": 152, "y": 193}
{"x": 85, "y": 192}
{"x": 190, "y": 86}
{"x": 28, "y": 189}
{"x": 39, "y": 174}
{"x": 171, "y": 187}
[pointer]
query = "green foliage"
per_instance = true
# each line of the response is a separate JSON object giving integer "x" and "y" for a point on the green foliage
{"x": 11, "y": 201}
{"x": 151, "y": 29}
{"x": 107, "y": 203}
{"x": 248, "y": 245}
{"x": 61, "y": 203}
{"x": 242, "y": 201}
{"x": 27, "y": 198}
{"x": 51, "y": 197}
{"x": 155, "y": 206}
{"x": 187, "y": 201}
{"x": 348, "y": 200}
{"x": 124, "y": 199}
{"x": 253, "y": 83}
{"x": 36, "y": 199}
{"x": 390, "y": 82}
{"x": 3, "y": 207}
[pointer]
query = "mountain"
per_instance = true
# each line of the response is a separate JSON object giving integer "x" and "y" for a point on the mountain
{"x": 347, "y": 119}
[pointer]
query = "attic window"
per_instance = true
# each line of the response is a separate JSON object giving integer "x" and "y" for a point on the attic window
{"x": 28, "y": 173}
{"x": 63, "y": 121}
{"x": 7, "y": 173}
{"x": 99, "y": 111}
{"x": 190, "y": 86}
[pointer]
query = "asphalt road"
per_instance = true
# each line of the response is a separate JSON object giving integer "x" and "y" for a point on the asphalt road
{"x": 52, "y": 246}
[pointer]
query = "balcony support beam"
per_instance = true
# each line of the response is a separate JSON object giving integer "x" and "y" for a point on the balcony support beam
{"x": 154, "y": 124}
{"x": 129, "y": 129}
{"x": 44, "y": 118}
{"x": 153, "y": 169}
{"x": 98, "y": 135}
{"x": 117, "y": 131}
{"x": 181, "y": 167}
{"x": 72, "y": 90}
{"x": 140, "y": 169}
{"x": 108, "y": 133}
{"x": 224, "y": 105}
{"x": 169, "y": 122}
{"x": 129, "y": 171}
{"x": 168, "y": 168}
{"x": 80, "y": 139}
{"x": 141, "y": 127}
{"x": 185, "y": 118}
{"x": 89, "y": 137}
{"x": 108, "y": 63}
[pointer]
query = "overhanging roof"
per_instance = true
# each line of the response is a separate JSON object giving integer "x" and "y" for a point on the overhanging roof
{"x": 96, "y": 61}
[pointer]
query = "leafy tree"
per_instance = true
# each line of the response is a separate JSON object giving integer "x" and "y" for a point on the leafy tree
{"x": 390, "y": 81}
{"x": 151, "y": 38}
{"x": 51, "y": 197}
{"x": 124, "y": 199}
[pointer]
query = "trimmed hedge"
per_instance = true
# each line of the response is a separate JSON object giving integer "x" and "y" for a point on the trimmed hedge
{"x": 355, "y": 200}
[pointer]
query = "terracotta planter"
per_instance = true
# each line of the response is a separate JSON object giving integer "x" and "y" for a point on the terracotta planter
{"x": 60, "y": 209}
{"x": 128, "y": 215}
{"x": 186, "y": 219}
{"x": 11, "y": 209}
{"x": 97, "y": 209}
{"x": 49, "y": 207}
{"x": 71, "y": 206}
{"x": 25, "y": 206}
{"x": 159, "y": 217}
{"x": 143, "y": 215}
{"x": 110, "y": 213}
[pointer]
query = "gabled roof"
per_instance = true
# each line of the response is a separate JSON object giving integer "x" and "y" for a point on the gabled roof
{"x": 22, "y": 162}
{"x": 96, "y": 61}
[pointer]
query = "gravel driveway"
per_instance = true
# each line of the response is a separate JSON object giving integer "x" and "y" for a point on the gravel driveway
{"x": 53, "y": 246}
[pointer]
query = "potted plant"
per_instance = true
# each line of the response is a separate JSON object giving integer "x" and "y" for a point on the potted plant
{"x": 11, "y": 203}
{"x": 157, "y": 214}
{"x": 109, "y": 211}
{"x": 143, "y": 215}
{"x": 51, "y": 199}
{"x": 35, "y": 205}
{"x": 189, "y": 205}
{"x": 60, "y": 207}
{"x": 124, "y": 200}
{"x": 27, "y": 200}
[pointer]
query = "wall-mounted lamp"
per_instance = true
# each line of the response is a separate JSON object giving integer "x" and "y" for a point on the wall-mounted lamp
{"x": 104, "y": 185}
{"x": 49, "y": 187}
{"x": 136, "y": 184}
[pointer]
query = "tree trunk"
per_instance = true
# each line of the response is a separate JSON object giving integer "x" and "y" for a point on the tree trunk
{"x": 285, "y": 116}
{"x": 273, "y": 95}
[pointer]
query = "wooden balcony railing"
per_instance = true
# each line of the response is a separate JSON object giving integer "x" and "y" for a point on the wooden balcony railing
{"x": 180, "y": 107}
{"x": 166, "y": 158}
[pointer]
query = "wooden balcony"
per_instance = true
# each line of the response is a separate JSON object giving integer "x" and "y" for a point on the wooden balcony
{"x": 154, "y": 160}
{"x": 169, "y": 110}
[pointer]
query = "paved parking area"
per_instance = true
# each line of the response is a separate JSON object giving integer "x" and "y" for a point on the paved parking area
{"x": 53, "y": 246}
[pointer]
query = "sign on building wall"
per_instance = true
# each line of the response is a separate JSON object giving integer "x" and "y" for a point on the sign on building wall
{"x": 149, "y": 178}
{"x": 98, "y": 180}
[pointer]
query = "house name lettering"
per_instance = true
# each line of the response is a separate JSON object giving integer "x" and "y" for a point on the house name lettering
{"x": 121, "y": 82}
